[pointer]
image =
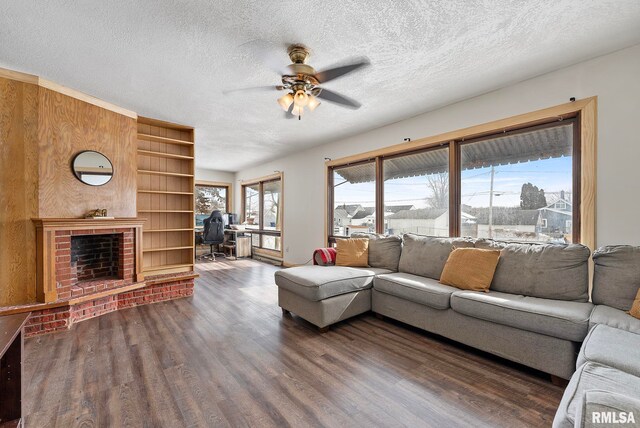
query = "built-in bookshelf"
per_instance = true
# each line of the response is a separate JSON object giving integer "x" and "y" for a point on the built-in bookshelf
{"x": 165, "y": 195}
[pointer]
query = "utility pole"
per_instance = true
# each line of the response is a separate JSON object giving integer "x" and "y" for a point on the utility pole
{"x": 491, "y": 204}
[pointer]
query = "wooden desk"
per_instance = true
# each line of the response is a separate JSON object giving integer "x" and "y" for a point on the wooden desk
{"x": 11, "y": 347}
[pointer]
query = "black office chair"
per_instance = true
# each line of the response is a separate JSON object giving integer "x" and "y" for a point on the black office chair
{"x": 213, "y": 234}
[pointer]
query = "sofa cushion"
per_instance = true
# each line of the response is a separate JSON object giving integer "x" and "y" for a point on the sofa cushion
{"x": 414, "y": 288}
{"x": 564, "y": 320}
{"x": 616, "y": 276}
{"x": 320, "y": 282}
{"x": 384, "y": 251}
{"x": 592, "y": 376}
{"x": 612, "y": 347}
{"x": 601, "y": 402}
{"x": 614, "y": 318}
{"x": 426, "y": 255}
{"x": 548, "y": 271}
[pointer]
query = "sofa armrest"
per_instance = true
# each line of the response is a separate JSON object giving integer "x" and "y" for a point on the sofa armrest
{"x": 603, "y": 408}
{"x": 324, "y": 256}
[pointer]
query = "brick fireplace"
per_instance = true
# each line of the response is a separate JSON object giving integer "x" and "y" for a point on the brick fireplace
{"x": 90, "y": 267}
{"x": 83, "y": 256}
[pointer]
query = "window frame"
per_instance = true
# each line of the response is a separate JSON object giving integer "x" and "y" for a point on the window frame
{"x": 582, "y": 112}
{"x": 377, "y": 194}
{"x": 259, "y": 250}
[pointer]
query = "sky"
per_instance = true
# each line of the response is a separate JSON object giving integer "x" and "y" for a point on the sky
{"x": 552, "y": 175}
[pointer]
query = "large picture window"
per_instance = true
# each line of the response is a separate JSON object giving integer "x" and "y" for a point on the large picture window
{"x": 271, "y": 214}
{"x": 262, "y": 212}
{"x": 210, "y": 197}
{"x": 519, "y": 187}
{"x": 354, "y": 199}
{"x": 532, "y": 181}
{"x": 252, "y": 206}
{"x": 416, "y": 193}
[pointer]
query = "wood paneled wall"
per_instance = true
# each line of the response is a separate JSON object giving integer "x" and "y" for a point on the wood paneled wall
{"x": 40, "y": 132}
{"x": 68, "y": 126}
{"x": 18, "y": 190}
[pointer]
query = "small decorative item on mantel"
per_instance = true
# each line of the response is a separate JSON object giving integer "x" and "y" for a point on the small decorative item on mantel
{"x": 100, "y": 214}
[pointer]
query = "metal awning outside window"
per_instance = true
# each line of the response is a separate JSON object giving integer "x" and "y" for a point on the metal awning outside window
{"x": 538, "y": 144}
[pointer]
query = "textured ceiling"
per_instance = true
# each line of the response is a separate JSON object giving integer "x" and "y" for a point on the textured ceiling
{"x": 171, "y": 60}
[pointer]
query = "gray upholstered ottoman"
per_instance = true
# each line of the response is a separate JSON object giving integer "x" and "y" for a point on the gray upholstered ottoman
{"x": 324, "y": 295}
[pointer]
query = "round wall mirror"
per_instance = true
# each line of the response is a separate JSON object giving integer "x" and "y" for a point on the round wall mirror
{"x": 92, "y": 168}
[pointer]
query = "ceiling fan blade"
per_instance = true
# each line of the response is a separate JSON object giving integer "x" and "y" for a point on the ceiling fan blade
{"x": 336, "y": 98}
{"x": 333, "y": 73}
{"x": 253, "y": 89}
{"x": 277, "y": 64}
{"x": 270, "y": 54}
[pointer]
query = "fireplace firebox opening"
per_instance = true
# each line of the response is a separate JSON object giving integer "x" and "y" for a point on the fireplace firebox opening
{"x": 96, "y": 257}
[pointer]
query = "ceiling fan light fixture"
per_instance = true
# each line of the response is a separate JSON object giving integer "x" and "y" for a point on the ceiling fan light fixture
{"x": 313, "y": 103}
{"x": 285, "y": 101}
{"x": 301, "y": 98}
{"x": 303, "y": 86}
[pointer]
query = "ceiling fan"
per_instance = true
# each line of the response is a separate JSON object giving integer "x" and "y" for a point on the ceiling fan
{"x": 302, "y": 83}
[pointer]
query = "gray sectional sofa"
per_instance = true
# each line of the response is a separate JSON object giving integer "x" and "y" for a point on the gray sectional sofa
{"x": 607, "y": 379}
{"x": 536, "y": 313}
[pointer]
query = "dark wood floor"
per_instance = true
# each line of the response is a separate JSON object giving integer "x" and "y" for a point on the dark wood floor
{"x": 227, "y": 357}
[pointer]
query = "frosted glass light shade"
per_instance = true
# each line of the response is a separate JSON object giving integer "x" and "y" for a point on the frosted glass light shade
{"x": 301, "y": 98}
{"x": 285, "y": 101}
{"x": 313, "y": 103}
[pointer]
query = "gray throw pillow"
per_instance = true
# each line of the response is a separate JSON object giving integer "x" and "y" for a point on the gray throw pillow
{"x": 616, "y": 276}
{"x": 548, "y": 271}
{"x": 427, "y": 255}
{"x": 384, "y": 251}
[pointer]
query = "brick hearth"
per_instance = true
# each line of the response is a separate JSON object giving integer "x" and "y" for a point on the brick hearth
{"x": 160, "y": 289}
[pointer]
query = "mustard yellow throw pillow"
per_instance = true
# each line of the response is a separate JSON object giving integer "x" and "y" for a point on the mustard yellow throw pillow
{"x": 352, "y": 252}
{"x": 470, "y": 268}
{"x": 635, "y": 308}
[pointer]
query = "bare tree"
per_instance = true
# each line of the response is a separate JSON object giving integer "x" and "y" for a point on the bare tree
{"x": 274, "y": 208}
{"x": 439, "y": 186}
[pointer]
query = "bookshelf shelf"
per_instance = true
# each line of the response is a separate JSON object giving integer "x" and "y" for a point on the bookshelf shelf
{"x": 159, "y": 139}
{"x": 164, "y": 155}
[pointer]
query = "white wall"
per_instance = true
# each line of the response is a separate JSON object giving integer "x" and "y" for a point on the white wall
{"x": 214, "y": 175}
{"x": 613, "y": 78}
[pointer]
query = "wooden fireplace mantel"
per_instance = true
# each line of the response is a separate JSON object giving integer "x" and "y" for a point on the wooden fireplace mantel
{"x": 87, "y": 223}
{"x": 46, "y": 229}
